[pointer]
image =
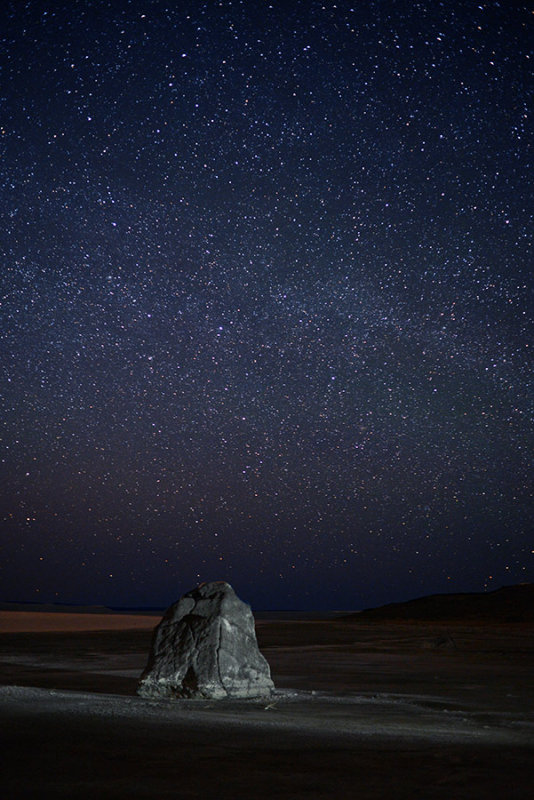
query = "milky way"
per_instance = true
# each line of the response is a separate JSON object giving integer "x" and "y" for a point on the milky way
{"x": 266, "y": 300}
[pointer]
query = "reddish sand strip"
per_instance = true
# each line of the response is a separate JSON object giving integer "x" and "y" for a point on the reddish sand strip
{"x": 33, "y": 622}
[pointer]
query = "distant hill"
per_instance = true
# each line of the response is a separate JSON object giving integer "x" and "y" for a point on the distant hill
{"x": 508, "y": 604}
{"x": 62, "y": 608}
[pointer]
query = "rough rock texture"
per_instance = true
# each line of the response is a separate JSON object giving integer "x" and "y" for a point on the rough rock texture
{"x": 205, "y": 646}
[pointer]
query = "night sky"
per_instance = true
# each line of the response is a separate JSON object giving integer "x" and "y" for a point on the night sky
{"x": 267, "y": 300}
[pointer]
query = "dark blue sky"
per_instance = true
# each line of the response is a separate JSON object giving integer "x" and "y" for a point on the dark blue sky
{"x": 266, "y": 300}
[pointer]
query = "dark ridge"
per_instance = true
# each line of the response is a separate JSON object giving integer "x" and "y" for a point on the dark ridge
{"x": 63, "y": 608}
{"x": 508, "y": 604}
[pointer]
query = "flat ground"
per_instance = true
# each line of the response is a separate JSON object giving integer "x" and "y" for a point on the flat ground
{"x": 382, "y": 710}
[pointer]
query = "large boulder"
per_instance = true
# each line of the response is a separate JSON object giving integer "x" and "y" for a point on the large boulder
{"x": 205, "y": 646}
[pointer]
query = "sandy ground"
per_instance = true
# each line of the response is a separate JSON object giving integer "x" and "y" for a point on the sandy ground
{"x": 33, "y": 622}
{"x": 360, "y": 710}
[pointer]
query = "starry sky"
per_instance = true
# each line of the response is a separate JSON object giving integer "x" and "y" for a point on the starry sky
{"x": 267, "y": 307}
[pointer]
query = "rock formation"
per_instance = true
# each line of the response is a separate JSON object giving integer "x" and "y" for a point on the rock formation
{"x": 205, "y": 646}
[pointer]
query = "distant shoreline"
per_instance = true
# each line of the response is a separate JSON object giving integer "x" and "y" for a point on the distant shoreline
{"x": 508, "y": 604}
{"x": 51, "y": 608}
